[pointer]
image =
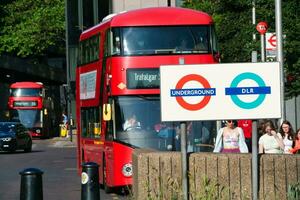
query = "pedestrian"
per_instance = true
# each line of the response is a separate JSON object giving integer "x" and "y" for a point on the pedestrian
{"x": 296, "y": 143}
{"x": 270, "y": 141}
{"x": 246, "y": 125}
{"x": 64, "y": 119}
{"x": 230, "y": 139}
{"x": 287, "y": 133}
{"x": 64, "y": 125}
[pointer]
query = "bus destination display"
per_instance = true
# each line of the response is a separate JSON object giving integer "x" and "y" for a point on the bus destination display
{"x": 25, "y": 103}
{"x": 143, "y": 78}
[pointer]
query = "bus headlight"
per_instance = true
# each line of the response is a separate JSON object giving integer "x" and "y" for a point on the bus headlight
{"x": 38, "y": 131}
{"x": 127, "y": 170}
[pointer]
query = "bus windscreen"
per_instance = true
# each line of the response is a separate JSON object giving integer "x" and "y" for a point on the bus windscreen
{"x": 138, "y": 124}
{"x": 25, "y": 92}
{"x": 29, "y": 118}
{"x": 163, "y": 40}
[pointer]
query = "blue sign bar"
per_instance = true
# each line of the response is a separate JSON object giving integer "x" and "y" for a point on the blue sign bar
{"x": 247, "y": 90}
{"x": 193, "y": 92}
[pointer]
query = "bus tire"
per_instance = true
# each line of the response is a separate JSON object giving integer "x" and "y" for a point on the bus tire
{"x": 107, "y": 189}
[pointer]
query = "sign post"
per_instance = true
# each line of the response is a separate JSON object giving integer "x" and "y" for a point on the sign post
{"x": 280, "y": 52}
{"x": 184, "y": 182}
{"x": 262, "y": 28}
{"x": 254, "y": 161}
{"x": 271, "y": 41}
{"x": 183, "y": 148}
{"x": 254, "y": 153}
{"x": 271, "y": 51}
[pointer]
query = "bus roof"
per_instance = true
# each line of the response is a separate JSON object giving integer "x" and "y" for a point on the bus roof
{"x": 26, "y": 85}
{"x": 155, "y": 16}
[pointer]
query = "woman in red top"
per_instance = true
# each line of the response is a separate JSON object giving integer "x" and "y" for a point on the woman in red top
{"x": 296, "y": 145}
{"x": 246, "y": 125}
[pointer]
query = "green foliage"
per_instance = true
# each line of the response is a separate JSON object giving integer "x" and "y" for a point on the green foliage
{"x": 172, "y": 189}
{"x": 32, "y": 27}
{"x": 233, "y": 26}
{"x": 208, "y": 190}
{"x": 37, "y": 27}
{"x": 233, "y": 21}
{"x": 294, "y": 191}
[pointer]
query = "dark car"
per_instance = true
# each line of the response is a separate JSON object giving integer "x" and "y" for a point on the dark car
{"x": 14, "y": 136}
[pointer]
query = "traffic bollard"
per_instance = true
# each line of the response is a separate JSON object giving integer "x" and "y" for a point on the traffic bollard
{"x": 90, "y": 181}
{"x": 31, "y": 184}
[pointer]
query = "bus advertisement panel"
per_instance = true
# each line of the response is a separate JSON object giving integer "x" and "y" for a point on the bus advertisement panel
{"x": 118, "y": 86}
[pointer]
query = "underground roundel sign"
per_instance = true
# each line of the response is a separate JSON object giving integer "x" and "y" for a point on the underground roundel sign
{"x": 181, "y": 94}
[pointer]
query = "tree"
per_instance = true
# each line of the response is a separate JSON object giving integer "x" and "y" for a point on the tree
{"x": 31, "y": 28}
{"x": 233, "y": 20}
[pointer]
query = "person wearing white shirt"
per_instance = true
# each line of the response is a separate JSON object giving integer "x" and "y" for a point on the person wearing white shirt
{"x": 270, "y": 142}
{"x": 287, "y": 133}
{"x": 131, "y": 123}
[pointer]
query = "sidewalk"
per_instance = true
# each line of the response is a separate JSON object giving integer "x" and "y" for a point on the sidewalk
{"x": 64, "y": 141}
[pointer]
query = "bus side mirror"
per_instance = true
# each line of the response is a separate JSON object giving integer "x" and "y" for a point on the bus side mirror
{"x": 217, "y": 57}
{"x": 106, "y": 112}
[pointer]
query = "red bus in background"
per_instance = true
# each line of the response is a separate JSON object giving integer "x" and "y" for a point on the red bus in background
{"x": 118, "y": 78}
{"x": 27, "y": 104}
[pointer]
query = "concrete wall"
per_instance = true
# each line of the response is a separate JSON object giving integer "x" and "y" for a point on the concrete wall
{"x": 154, "y": 173}
{"x": 121, "y": 5}
{"x": 157, "y": 175}
{"x": 292, "y": 110}
{"x": 231, "y": 173}
{"x": 276, "y": 173}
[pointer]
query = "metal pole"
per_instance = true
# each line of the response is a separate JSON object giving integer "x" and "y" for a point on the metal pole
{"x": 254, "y": 161}
{"x": 254, "y": 56}
{"x": 183, "y": 159}
{"x": 80, "y": 15}
{"x": 263, "y": 48}
{"x": 253, "y": 18}
{"x": 254, "y": 149}
{"x": 70, "y": 122}
{"x": 95, "y": 11}
{"x": 68, "y": 68}
{"x": 254, "y": 53}
{"x": 280, "y": 54}
{"x": 254, "y": 124}
{"x": 183, "y": 133}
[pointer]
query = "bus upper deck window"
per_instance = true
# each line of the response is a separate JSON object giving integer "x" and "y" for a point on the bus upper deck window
{"x": 115, "y": 41}
{"x": 116, "y": 46}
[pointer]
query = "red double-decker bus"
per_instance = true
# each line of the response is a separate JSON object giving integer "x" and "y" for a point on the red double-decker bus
{"x": 27, "y": 104}
{"x": 118, "y": 80}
